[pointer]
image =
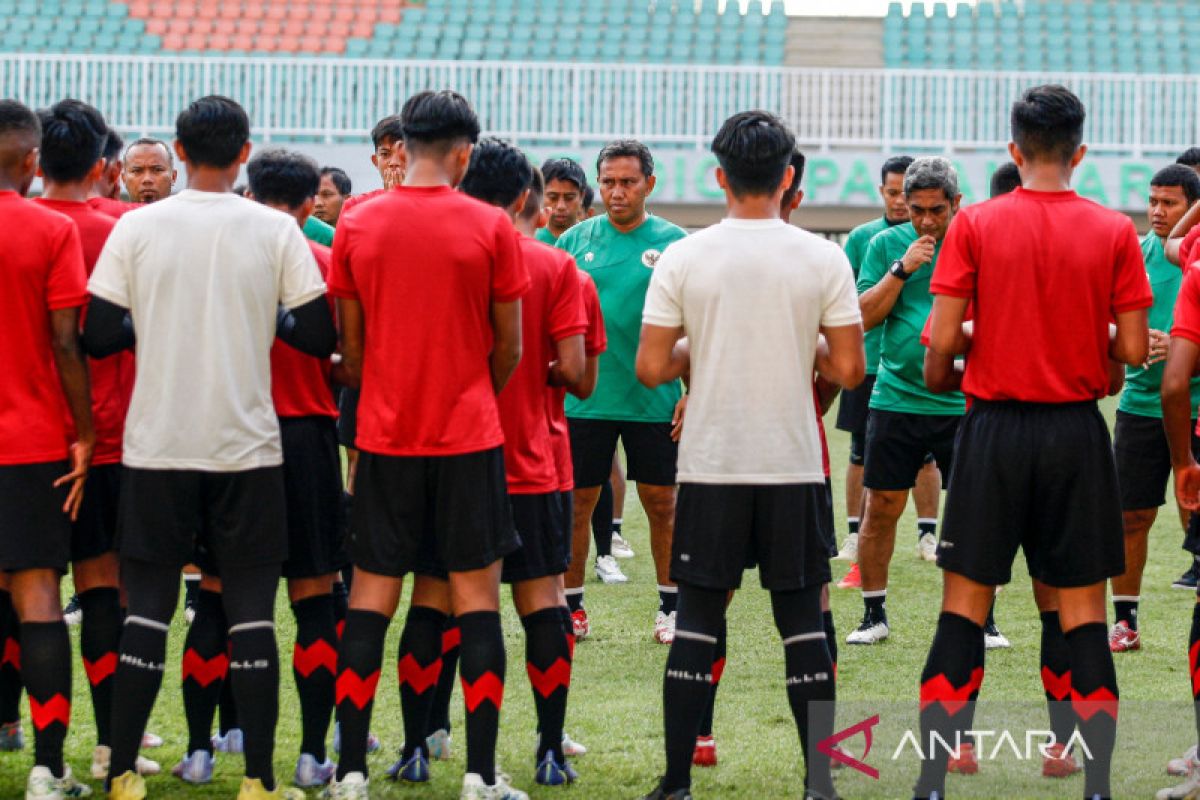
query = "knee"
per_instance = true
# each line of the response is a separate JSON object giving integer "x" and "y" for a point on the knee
{"x": 659, "y": 503}
{"x": 883, "y": 508}
{"x": 1139, "y": 522}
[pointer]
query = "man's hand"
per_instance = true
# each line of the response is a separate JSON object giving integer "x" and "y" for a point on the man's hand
{"x": 919, "y": 252}
{"x": 677, "y": 418}
{"x": 1187, "y": 486}
{"x": 1159, "y": 342}
{"x": 392, "y": 177}
{"x": 81, "y": 457}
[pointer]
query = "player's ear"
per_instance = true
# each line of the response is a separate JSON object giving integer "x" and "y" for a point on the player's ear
{"x": 650, "y": 183}
{"x": 543, "y": 218}
{"x": 788, "y": 175}
{"x": 1016, "y": 155}
{"x": 307, "y": 208}
{"x": 1079, "y": 154}
{"x": 96, "y": 171}
{"x": 519, "y": 204}
{"x": 954, "y": 204}
{"x": 722, "y": 178}
{"x": 797, "y": 199}
{"x": 244, "y": 155}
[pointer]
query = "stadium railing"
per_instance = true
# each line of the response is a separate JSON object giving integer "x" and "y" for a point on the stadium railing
{"x": 551, "y": 104}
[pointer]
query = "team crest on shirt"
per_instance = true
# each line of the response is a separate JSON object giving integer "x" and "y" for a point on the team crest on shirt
{"x": 650, "y": 258}
{"x": 589, "y": 257}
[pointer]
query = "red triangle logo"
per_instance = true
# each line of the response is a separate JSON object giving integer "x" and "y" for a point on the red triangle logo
{"x": 826, "y": 746}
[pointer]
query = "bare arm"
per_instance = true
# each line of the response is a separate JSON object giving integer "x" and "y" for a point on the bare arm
{"x": 1131, "y": 343}
{"x": 1182, "y": 360}
{"x": 73, "y": 375}
{"x": 350, "y": 318}
{"x": 942, "y": 374}
{"x": 827, "y": 392}
{"x": 1181, "y": 229}
{"x": 587, "y": 384}
{"x": 947, "y": 331}
{"x": 877, "y": 302}
{"x": 840, "y": 358}
{"x": 506, "y": 350}
{"x": 569, "y": 367}
{"x": 661, "y": 357}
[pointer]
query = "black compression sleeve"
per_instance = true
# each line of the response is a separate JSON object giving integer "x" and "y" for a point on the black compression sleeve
{"x": 308, "y": 328}
{"x": 107, "y": 330}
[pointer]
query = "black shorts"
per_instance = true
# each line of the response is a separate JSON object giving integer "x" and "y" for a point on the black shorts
{"x": 34, "y": 531}
{"x": 312, "y": 482}
{"x": 545, "y": 538}
{"x": 649, "y": 451}
{"x": 94, "y": 533}
{"x": 1143, "y": 460}
{"x": 853, "y": 407}
{"x": 347, "y": 421}
{"x": 1039, "y": 477}
{"x": 898, "y": 445}
{"x": 431, "y": 514}
{"x": 833, "y": 548}
{"x": 212, "y": 519}
{"x": 721, "y": 530}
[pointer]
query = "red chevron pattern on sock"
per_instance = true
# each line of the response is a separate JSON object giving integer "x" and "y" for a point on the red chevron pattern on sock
{"x": 101, "y": 669}
{"x": 1194, "y": 663}
{"x": 718, "y": 670}
{"x": 556, "y": 675}
{"x": 451, "y": 638}
{"x": 419, "y": 679}
{"x": 306, "y": 660}
{"x": 204, "y": 671}
{"x": 56, "y": 709}
{"x": 939, "y": 689}
{"x": 571, "y": 645}
{"x": 12, "y": 654}
{"x": 341, "y": 626}
{"x": 355, "y": 689}
{"x": 488, "y": 687}
{"x": 1057, "y": 686}
{"x": 1088, "y": 705}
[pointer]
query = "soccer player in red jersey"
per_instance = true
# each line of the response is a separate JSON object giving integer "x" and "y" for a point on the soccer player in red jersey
{"x": 430, "y": 491}
{"x": 72, "y": 134}
{"x": 105, "y": 194}
{"x": 43, "y": 463}
{"x": 1034, "y": 468}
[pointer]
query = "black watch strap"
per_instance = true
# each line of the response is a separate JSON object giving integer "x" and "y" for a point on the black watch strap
{"x": 897, "y": 270}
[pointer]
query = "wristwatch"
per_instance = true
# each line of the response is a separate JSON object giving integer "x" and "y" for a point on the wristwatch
{"x": 897, "y": 270}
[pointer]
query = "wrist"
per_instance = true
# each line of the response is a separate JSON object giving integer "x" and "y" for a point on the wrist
{"x": 899, "y": 271}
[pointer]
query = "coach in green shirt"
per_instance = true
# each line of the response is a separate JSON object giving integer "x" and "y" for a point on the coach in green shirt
{"x": 620, "y": 250}
{"x": 906, "y": 420}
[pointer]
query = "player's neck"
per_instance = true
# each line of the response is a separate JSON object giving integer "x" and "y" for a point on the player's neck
{"x": 426, "y": 173}
{"x": 525, "y": 227}
{"x": 218, "y": 180}
{"x": 755, "y": 206}
{"x": 68, "y": 192}
{"x": 632, "y": 225}
{"x": 1045, "y": 177}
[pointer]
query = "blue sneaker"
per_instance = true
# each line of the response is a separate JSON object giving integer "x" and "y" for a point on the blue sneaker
{"x": 311, "y": 773}
{"x": 414, "y": 770}
{"x": 229, "y": 742}
{"x": 196, "y": 768}
{"x": 552, "y": 773}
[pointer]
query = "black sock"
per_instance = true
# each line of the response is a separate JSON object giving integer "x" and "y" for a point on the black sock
{"x": 314, "y": 662}
{"x": 810, "y": 680}
{"x": 341, "y": 602}
{"x": 419, "y": 665}
{"x": 852, "y": 523}
{"x": 575, "y": 599}
{"x": 138, "y": 679}
{"x": 568, "y": 629}
{"x": 718, "y": 669}
{"x": 1126, "y": 608}
{"x": 99, "y": 645}
{"x": 439, "y": 717}
{"x": 949, "y": 687}
{"x": 1094, "y": 696}
{"x": 481, "y": 665}
{"x": 46, "y": 668}
{"x": 10, "y": 661}
{"x": 548, "y": 664}
{"x": 830, "y": 638}
{"x": 602, "y": 516}
{"x": 360, "y": 655}
{"x": 227, "y": 718}
{"x": 616, "y": 526}
{"x": 687, "y": 680}
{"x": 990, "y": 622}
{"x": 668, "y": 598}
{"x": 254, "y": 673}
{"x": 191, "y": 590}
{"x": 1056, "y": 677}
{"x": 1194, "y": 663}
{"x": 925, "y": 526}
{"x": 205, "y": 669}
{"x": 875, "y": 604}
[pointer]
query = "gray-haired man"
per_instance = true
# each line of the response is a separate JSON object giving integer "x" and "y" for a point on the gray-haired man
{"x": 906, "y": 422}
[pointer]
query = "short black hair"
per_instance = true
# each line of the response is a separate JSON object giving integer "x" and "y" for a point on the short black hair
{"x": 754, "y": 149}
{"x": 1047, "y": 123}
{"x": 896, "y": 165}
{"x": 20, "y": 132}
{"x": 438, "y": 119}
{"x": 1179, "y": 175}
{"x": 73, "y": 134}
{"x": 283, "y": 177}
{"x": 797, "y": 162}
{"x": 387, "y": 129}
{"x": 537, "y": 191}
{"x": 1006, "y": 178}
{"x": 148, "y": 141}
{"x": 113, "y": 146}
{"x": 339, "y": 178}
{"x": 627, "y": 148}
{"x": 564, "y": 169}
{"x": 212, "y": 131}
{"x": 589, "y": 197}
{"x": 1189, "y": 157}
{"x": 498, "y": 173}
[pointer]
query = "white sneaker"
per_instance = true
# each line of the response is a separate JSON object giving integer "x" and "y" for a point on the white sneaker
{"x": 1188, "y": 790}
{"x": 310, "y": 773}
{"x": 570, "y": 747}
{"x": 927, "y": 547}
{"x": 849, "y": 551}
{"x": 151, "y": 740}
{"x": 473, "y": 788}
{"x": 438, "y": 743}
{"x": 189, "y": 615}
{"x": 1180, "y": 766}
{"x": 42, "y": 785}
{"x": 869, "y": 631}
{"x": 620, "y": 547}
{"x": 102, "y": 757}
{"x": 993, "y": 639}
{"x": 664, "y": 628}
{"x": 609, "y": 571}
{"x": 351, "y": 787}
{"x": 231, "y": 742}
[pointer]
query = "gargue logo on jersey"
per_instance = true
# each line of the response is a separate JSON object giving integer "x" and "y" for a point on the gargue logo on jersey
{"x": 650, "y": 258}
{"x": 589, "y": 257}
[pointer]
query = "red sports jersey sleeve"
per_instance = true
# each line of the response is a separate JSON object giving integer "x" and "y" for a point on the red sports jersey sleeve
{"x": 1187, "y": 306}
{"x": 510, "y": 279}
{"x": 1187, "y": 247}
{"x": 66, "y": 282}
{"x": 568, "y": 317}
{"x": 954, "y": 273}
{"x": 821, "y": 430}
{"x": 300, "y": 383}
{"x": 595, "y": 341}
{"x": 340, "y": 279}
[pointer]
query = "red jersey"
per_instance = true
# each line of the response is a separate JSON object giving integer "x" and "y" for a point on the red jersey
{"x": 41, "y": 270}
{"x": 300, "y": 384}
{"x": 354, "y": 200}
{"x": 595, "y": 341}
{"x": 821, "y": 430}
{"x": 111, "y": 379}
{"x": 113, "y": 208}
{"x": 427, "y": 263}
{"x": 1187, "y": 247}
{"x": 1046, "y": 273}
{"x": 552, "y": 310}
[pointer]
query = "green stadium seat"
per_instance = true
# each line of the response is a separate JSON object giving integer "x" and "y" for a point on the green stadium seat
{"x": 357, "y": 48}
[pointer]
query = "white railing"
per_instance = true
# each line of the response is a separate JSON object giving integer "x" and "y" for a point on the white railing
{"x": 576, "y": 104}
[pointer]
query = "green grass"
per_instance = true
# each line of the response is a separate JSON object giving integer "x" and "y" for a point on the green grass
{"x": 616, "y": 706}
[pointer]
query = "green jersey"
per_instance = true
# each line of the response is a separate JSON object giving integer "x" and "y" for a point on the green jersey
{"x": 544, "y": 236}
{"x": 900, "y": 385}
{"x": 856, "y": 251}
{"x": 621, "y": 265}
{"x": 1141, "y": 395}
{"x": 318, "y": 231}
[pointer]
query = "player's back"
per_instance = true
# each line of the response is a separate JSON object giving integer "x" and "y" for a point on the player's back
{"x": 300, "y": 383}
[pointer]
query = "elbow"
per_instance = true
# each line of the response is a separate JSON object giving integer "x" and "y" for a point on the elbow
{"x": 1174, "y": 387}
{"x": 647, "y": 374}
{"x": 854, "y": 373}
